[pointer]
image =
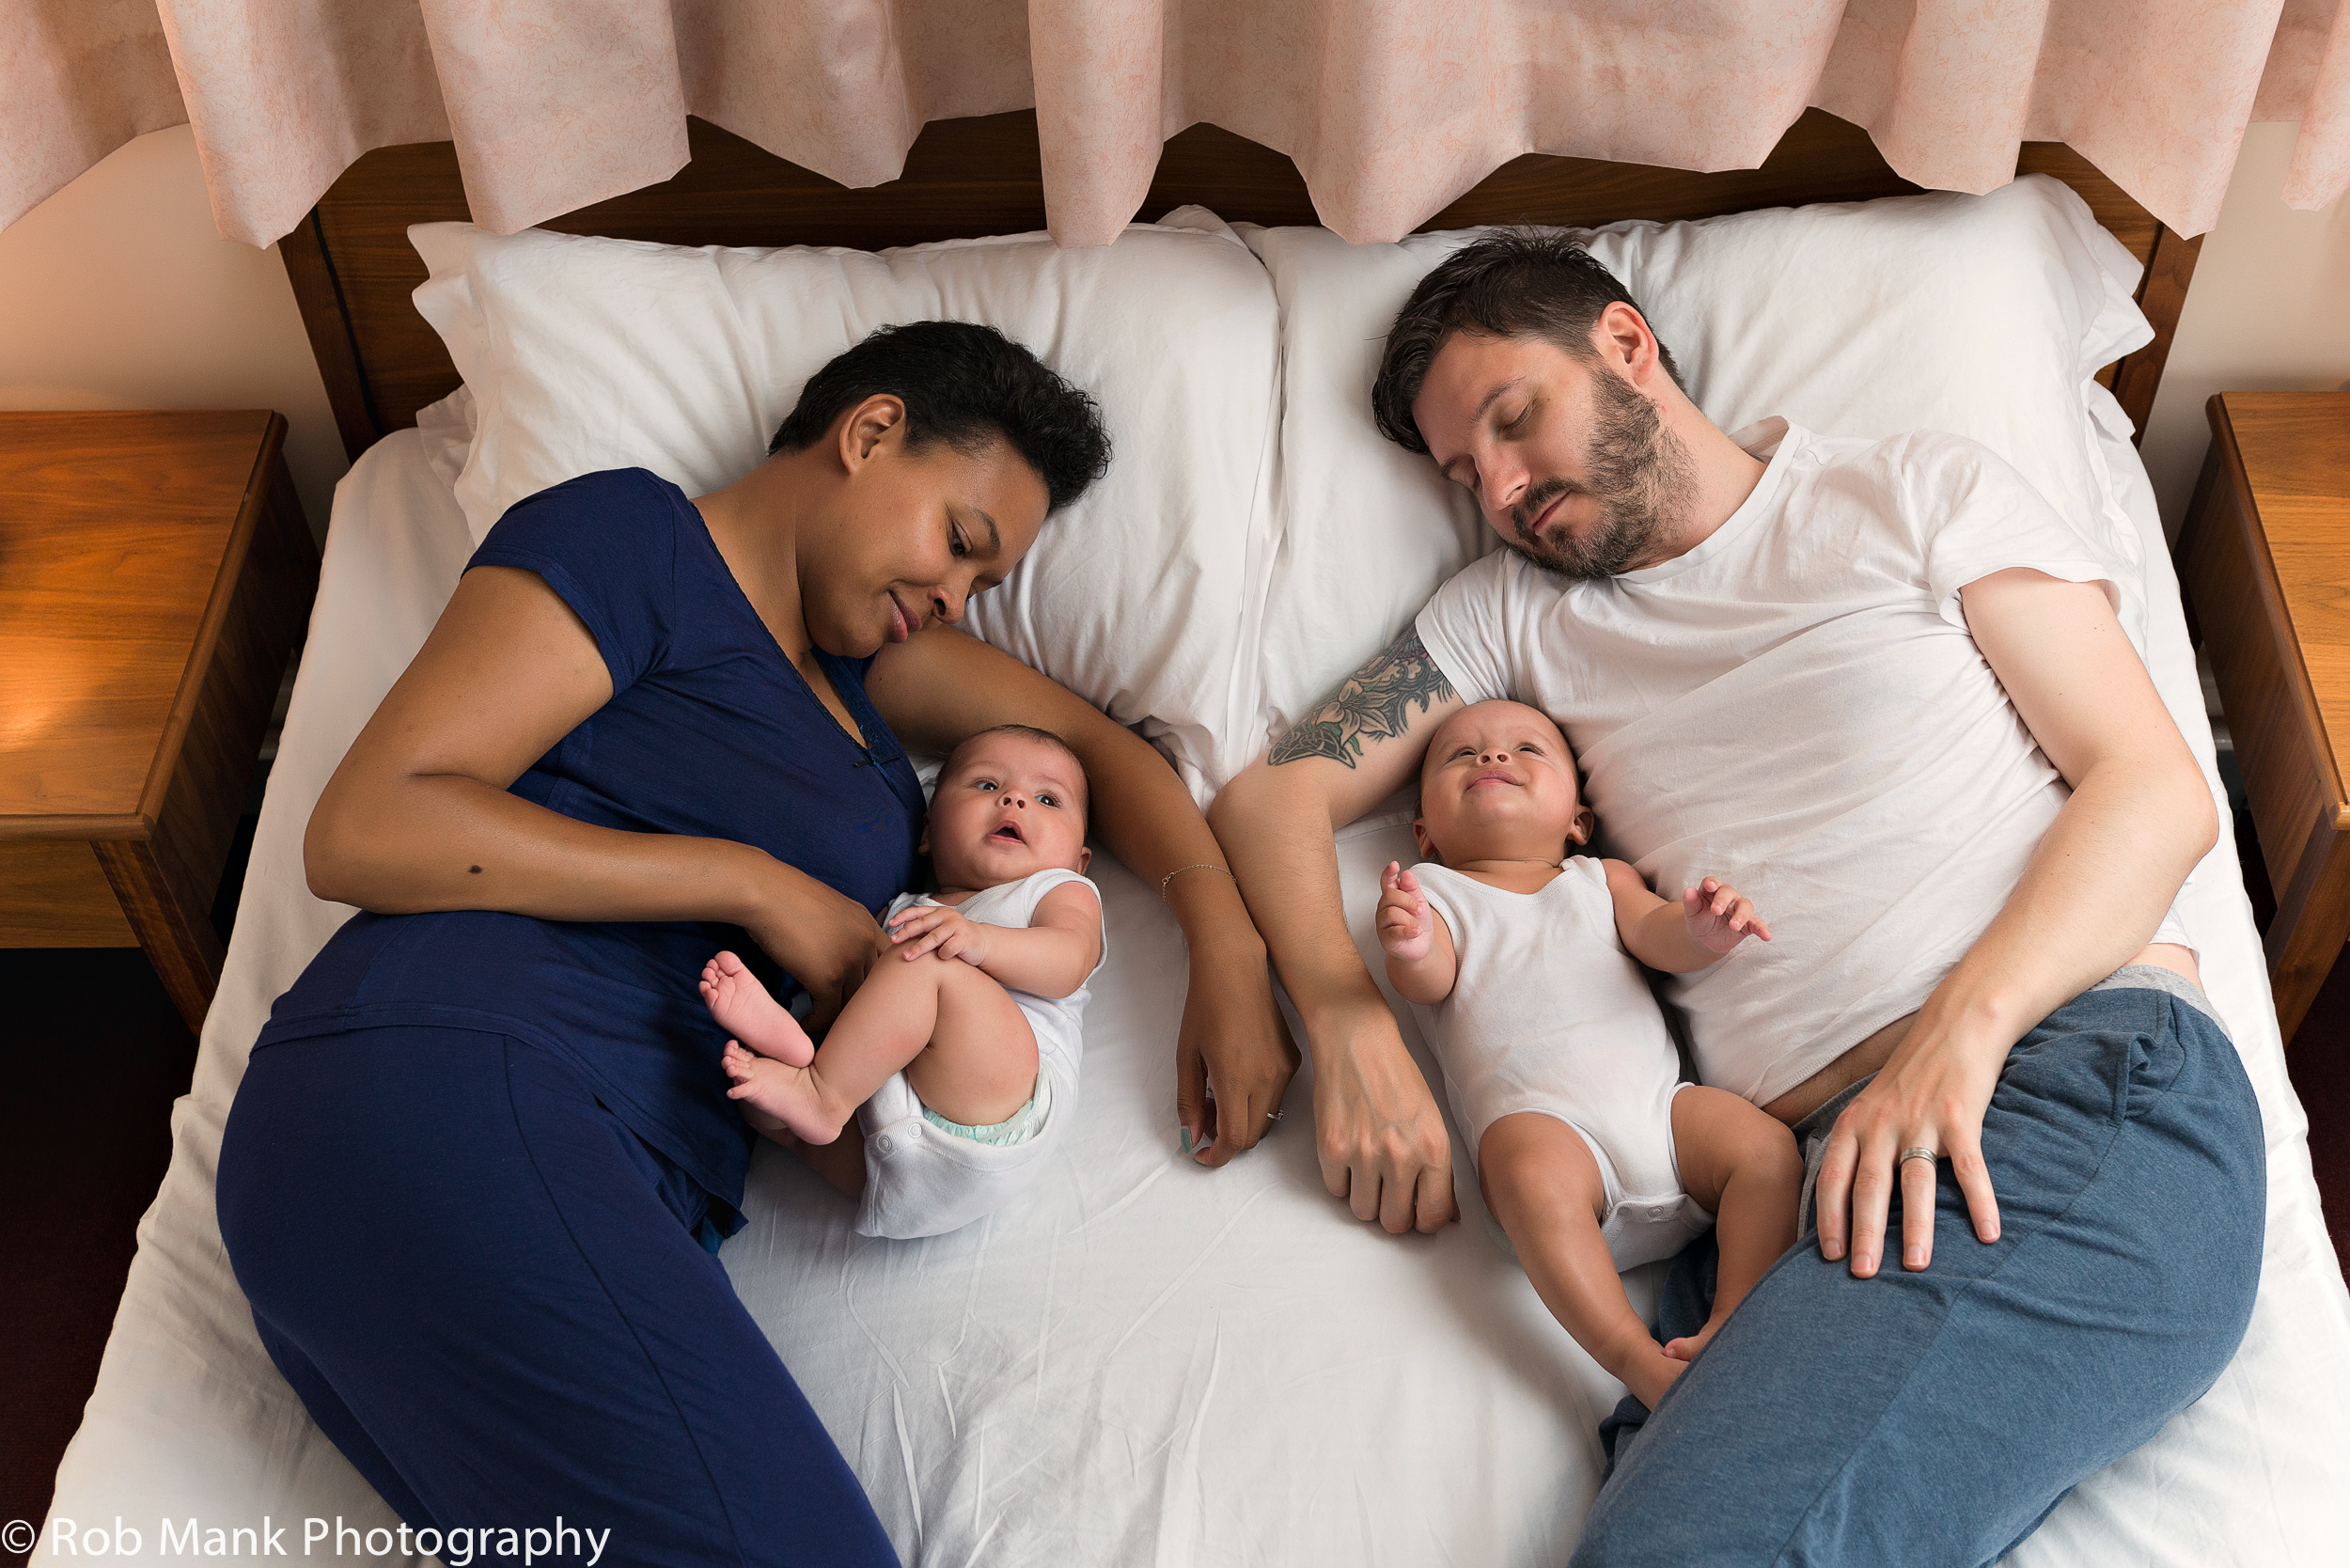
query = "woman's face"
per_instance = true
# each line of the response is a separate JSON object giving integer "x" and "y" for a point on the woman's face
{"x": 910, "y": 535}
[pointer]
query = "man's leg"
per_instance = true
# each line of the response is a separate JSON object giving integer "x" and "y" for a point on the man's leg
{"x": 468, "y": 1254}
{"x": 1934, "y": 1418}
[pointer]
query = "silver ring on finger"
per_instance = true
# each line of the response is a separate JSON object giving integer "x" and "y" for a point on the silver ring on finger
{"x": 1919, "y": 1154}
{"x": 1273, "y": 1116}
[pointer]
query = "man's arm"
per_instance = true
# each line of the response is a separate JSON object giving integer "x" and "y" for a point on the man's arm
{"x": 1379, "y": 1135}
{"x": 2092, "y": 893}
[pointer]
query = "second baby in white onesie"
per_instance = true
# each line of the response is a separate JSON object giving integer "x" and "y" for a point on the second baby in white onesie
{"x": 1591, "y": 1152}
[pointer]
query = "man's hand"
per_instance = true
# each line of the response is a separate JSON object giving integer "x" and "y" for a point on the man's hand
{"x": 1719, "y": 917}
{"x": 1931, "y": 1095}
{"x": 1406, "y": 930}
{"x": 1378, "y": 1132}
{"x": 936, "y": 928}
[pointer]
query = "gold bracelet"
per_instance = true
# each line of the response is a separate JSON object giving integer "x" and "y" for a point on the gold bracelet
{"x": 1200, "y": 866}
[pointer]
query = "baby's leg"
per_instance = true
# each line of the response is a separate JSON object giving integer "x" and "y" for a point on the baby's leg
{"x": 1542, "y": 1183}
{"x": 744, "y": 1009}
{"x": 1741, "y": 1163}
{"x": 961, "y": 1039}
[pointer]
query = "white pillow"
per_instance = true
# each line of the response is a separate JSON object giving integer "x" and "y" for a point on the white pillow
{"x": 585, "y": 353}
{"x": 1987, "y": 316}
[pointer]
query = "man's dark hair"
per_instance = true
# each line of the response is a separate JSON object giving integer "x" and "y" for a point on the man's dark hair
{"x": 1514, "y": 283}
{"x": 965, "y": 385}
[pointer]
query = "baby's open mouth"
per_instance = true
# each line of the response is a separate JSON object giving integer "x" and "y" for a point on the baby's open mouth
{"x": 1009, "y": 831}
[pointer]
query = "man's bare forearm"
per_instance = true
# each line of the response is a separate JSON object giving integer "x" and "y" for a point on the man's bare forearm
{"x": 1277, "y": 829}
{"x": 2091, "y": 897}
{"x": 1278, "y": 818}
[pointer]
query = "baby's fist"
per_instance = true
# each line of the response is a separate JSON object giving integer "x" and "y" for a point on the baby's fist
{"x": 1405, "y": 928}
{"x": 1720, "y": 916}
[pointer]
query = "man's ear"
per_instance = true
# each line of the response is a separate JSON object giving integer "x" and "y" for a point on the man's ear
{"x": 1624, "y": 342}
{"x": 878, "y": 422}
{"x": 1419, "y": 837}
{"x": 1579, "y": 830}
{"x": 1085, "y": 858}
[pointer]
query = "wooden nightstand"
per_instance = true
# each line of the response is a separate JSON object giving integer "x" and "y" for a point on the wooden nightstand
{"x": 2264, "y": 559}
{"x": 155, "y": 574}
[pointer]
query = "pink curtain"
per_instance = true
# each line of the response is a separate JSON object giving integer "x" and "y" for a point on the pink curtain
{"x": 1390, "y": 107}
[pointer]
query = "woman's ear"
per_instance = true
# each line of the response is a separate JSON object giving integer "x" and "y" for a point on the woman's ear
{"x": 1579, "y": 830}
{"x": 880, "y": 420}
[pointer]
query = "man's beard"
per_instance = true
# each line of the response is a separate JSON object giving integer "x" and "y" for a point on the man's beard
{"x": 1640, "y": 474}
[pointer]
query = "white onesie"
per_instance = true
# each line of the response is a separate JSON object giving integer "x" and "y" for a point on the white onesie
{"x": 1549, "y": 1014}
{"x": 922, "y": 1179}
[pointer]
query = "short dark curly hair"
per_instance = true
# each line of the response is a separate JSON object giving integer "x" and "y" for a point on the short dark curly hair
{"x": 1511, "y": 283}
{"x": 965, "y": 385}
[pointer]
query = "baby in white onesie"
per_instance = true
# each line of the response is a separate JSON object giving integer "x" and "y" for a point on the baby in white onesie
{"x": 1590, "y": 1151}
{"x": 959, "y": 1052}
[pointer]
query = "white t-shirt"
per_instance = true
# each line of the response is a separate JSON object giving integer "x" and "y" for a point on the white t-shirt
{"x": 1796, "y": 706}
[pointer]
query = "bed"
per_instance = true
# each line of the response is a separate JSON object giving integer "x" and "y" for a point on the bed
{"x": 1149, "y": 1363}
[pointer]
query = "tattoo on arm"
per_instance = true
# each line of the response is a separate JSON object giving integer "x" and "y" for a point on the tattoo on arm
{"x": 1373, "y": 704}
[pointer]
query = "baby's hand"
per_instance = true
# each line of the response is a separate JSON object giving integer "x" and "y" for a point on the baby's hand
{"x": 935, "y": 927}
{"x": 1720, "y": 915}
{"x": 1405, "y": 928}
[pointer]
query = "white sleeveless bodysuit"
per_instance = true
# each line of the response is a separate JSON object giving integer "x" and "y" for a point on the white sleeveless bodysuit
{"x": 1549, "y": 1014}
{"x": 922, "y": 1179}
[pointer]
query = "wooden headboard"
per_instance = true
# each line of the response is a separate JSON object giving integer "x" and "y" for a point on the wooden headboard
{"x": 353, "y": 270}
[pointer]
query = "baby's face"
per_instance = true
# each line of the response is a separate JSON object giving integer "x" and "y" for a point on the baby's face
{"x": 1499, "y": 782}
{"x": 1009, "y": 807}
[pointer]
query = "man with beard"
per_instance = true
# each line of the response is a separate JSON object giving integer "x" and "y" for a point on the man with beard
{"x": 1879, "y": 686}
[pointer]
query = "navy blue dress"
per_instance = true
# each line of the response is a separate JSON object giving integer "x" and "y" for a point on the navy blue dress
{"x": 465, "y": 1175}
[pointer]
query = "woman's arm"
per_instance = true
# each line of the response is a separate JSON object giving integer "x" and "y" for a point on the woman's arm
{"x": 2093, "y": 892}
{"x": 943, "y": 685}
{"x": 417, "y": 816}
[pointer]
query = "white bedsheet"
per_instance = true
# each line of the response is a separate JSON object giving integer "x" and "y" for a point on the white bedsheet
{"x": 1148, "y": 1363}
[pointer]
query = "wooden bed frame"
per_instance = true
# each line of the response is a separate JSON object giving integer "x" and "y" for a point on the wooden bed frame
{"x": 352, "y": 269}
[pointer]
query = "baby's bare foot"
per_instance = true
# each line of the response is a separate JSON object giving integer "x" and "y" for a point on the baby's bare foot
{"x": 1686, "y": 1347}
{"x": 1650, "y": 1373}
{"x": 776, "y": 1097}
{"x": 743, "y": 1008}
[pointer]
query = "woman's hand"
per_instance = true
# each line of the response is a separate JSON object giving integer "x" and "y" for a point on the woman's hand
{"x": 1233, "y": 1055}
{"x": 824, "y": 939}
{"x": 1931, "y": 1095}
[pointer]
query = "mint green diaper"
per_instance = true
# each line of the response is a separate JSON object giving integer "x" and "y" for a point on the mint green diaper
{"x": 1021, "y": 1125}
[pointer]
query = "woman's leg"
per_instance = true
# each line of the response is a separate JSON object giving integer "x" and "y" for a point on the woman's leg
{"x": 1934, "y": 1418}
{"x": 1541, "y": 1183}
{"x": 444, "y": 1233}
{"x": 1741, "y": 1164}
